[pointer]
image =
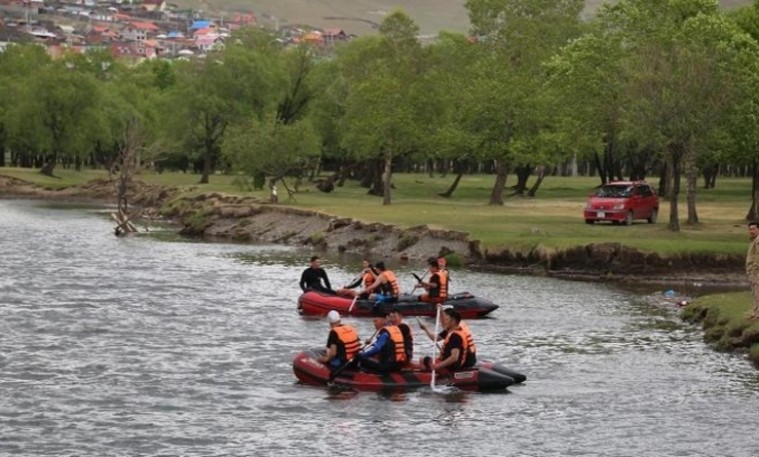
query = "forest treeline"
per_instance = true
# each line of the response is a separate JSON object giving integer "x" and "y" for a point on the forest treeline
{"x": 647, "y": 88}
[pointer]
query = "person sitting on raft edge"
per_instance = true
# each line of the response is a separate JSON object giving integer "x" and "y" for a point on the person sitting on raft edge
{"x": 343, "y": 343}
{"x": 367, "y": 276}
{"x": 312, "y": 278}
{"x": 386, "y": 286}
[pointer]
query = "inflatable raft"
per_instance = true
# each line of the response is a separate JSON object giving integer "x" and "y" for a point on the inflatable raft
{"x": 314, "y": 303}
{"x": 486, "y": 376}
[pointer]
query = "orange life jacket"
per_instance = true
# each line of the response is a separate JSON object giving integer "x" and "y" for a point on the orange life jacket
{"x": 395, "y": 350}
{"x": 349, "y": 344}
{"x": 441, "y": 294}
{"x": 392, "y": 284}
{"x": 469, "y": 339}
{"x": 461, "y": 362}
{"x": 368, "y": 279}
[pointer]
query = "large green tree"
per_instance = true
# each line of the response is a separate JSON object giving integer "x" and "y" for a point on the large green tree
{"x": 521, "y": 36}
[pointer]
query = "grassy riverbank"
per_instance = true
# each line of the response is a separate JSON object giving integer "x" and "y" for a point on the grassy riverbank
{"x": 726, "y": 327}
{"x": 553, "y": 219}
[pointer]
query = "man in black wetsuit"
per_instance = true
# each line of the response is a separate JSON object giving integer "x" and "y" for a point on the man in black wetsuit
{"x": 312, "y": 278}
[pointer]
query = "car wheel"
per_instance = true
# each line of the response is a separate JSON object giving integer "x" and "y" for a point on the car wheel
{"x": 589, "y": 221}
{"x": 629, "y": 218}
{"x": 653, "y": 216}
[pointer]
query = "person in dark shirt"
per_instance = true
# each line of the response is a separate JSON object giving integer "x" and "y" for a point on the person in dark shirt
{"x": 395, "y": 318}
{"x": 458, "y": 344}
{"x": 313, "y": 276}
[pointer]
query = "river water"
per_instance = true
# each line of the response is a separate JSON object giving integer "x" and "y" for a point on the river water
{"x": 156, "y": 346}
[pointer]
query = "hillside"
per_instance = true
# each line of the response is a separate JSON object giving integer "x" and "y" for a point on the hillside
{"x": 358, "y": 16}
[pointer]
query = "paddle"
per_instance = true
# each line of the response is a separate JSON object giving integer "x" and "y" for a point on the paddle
{"x": 342, "y": 367}
{"x": 434, "y": 347}
{"x": 437, "y": 345}
{"x": 353, "y": 303}
{"x": 418, "y": 280}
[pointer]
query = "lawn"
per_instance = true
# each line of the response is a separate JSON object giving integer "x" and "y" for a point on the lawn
{"x": 552, "y": 219}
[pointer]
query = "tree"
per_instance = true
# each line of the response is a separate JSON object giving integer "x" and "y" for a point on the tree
{"x": 385, "y": 110}
{"x": 521, "y": 36}
{"x": 271, "y": 147}
{"x": 243, "y": 80}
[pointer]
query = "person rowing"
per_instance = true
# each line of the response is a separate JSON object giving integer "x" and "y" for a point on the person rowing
{"x": 367, "y": 277}
{"x": 458, "y": 351}
{"x": 437, "y": 286}
{"x": 343, "y": 343}
{"x": 388, "y": 352}
{"x": 385, "y": 288}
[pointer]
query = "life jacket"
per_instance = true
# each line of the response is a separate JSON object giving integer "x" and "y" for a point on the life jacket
{"x": 391, "y": 287}
{"x": 348, "y": 342}
{"x": 472, "y": 348}
{"x": 368, "y": 279}
{"x": 461, "y": 362}
{"x": 408, "y": 340}
{"x": 441, "y": 294}
{"x": 395, "y": 349}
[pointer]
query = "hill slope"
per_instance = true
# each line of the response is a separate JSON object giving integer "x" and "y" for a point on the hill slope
{"x": 358, "y": 16}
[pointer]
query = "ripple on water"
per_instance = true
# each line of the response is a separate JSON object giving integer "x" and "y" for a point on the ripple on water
{"x": 137, "y": 346}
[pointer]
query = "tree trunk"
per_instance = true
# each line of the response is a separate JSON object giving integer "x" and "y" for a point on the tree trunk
{"x": 663, "y": 180}
{"x": 691, "y": 181}
{"x": 496, "y": 195}
{"x": 207, "y": 151}
{"x": 753, "y": 213}
{"x": 710, "y": 175}
{"x": 541, "y": 172}
{"x": 523, "y": 174}
{"x": 49, "y": 165}
{"x": 2, "y": 145}
{"x": 674, "y": 158}
{"x": 387, "y": 175}
{"x": 599, "y": 166}
{"x": 459, "y": 167}
{"x": 454, "y": 185}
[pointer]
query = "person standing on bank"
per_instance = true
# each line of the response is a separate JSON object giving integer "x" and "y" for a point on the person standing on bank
{"x": 752, "y": 266}
{"x": 312, "y": 278}
{"x": 343, "y": 343}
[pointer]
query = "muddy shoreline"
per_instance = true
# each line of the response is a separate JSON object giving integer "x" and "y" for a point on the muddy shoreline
{"x": 249, "y": 219}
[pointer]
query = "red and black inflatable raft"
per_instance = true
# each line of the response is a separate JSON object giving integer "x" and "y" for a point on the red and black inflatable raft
{"x": 314, "y": 303}
{"x": 486, "y": 376}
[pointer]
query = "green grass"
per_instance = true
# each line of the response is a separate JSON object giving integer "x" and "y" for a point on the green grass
{"x": 552, "y": 219}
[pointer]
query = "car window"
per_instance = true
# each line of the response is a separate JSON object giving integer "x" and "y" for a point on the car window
{"x": 614, "y": 191}
{"x": 645, "y": 191}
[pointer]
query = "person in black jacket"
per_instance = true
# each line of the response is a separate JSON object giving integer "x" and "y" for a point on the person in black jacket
{"x": 315, "y": 278}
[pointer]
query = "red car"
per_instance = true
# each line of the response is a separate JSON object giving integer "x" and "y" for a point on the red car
{"x": 622, "y": 202}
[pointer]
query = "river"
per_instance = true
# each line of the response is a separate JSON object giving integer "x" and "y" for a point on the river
{"x": 153, "y": 345}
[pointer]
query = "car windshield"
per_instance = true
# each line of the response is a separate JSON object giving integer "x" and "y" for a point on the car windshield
{"x": 610, "y": 191}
